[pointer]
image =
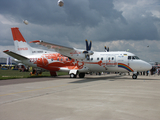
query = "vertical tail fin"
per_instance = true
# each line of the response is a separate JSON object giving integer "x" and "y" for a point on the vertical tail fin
{"x": 21, "y": 45}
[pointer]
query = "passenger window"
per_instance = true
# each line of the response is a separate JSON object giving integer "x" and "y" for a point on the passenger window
{"x": 91, "y": 58}
{"x": 57, "y": 59}
{"x": 129, "y": 57}
{"x": 102, "y": 58}
{"x": 66, "y": 59}
{"x": 97, "y": 58}
{"x": 109, "y": 58}
{"x": 61, "y": 59}
{"x": 112, "y": 58}
{"x": 52, "y": 59}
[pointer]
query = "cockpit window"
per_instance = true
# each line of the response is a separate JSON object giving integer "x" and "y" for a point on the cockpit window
{"x": 136, "y": 57}
{"x": 133, "y": 57}
{"x": 129, "y": 57}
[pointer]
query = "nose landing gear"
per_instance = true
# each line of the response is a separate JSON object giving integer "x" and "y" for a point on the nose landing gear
{"x": 134, "y": 76}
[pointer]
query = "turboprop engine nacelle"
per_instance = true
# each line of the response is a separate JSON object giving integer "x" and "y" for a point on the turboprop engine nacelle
{"x": 90, "y": 53}
{"x": 60, "y": 3}
{"x": 81, "y": 55}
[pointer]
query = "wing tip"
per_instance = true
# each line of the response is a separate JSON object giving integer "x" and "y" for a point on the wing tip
{"x": 6, "y": 51}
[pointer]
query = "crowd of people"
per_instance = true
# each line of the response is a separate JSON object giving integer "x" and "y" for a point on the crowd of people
{"x": 153, "y": 71}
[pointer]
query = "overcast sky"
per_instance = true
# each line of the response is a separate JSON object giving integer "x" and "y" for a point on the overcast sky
{"x": 119, "y": 24}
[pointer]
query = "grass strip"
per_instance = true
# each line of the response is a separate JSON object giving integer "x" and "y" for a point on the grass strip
{"x": 15, "y": 74}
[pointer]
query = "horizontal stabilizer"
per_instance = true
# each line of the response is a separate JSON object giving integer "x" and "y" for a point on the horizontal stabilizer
{"x": 15, "y": 55}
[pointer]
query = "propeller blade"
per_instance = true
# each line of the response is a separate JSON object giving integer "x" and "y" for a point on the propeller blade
{"x": 87, "y": 52}
{"x": 105, "y": 48}
{"x": 90, "y": 45}
{"x": 87, "y": 45}
{"x": 108, "y": 49}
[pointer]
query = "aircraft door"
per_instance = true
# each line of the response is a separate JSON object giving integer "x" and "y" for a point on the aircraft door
{"x": 111, "y": 61}
{"x": 129, "y": 61}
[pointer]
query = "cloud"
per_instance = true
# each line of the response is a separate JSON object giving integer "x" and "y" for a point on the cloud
{"x": 142, "y": 17}
{"x": 117, "y": 22}
{"x": 107, "y": 20}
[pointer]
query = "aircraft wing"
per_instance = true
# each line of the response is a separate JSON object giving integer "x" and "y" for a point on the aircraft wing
{"x": 65, "y": 51}
{"x": 52, "y": 46}
{"x": 15, "y": 55}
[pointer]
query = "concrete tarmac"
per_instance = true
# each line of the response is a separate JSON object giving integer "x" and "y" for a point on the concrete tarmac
{"x": 105, "y": 97}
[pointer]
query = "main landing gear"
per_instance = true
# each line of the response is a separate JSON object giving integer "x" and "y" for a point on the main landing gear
{"x": 53, "y": 73}
{"x": 81, "y": 75}
{"x": 72, "y": 75}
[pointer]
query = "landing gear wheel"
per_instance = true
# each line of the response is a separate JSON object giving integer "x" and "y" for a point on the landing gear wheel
{"x": 73, "y": 75}
{"x": 81, "y": 75}
{"x": 134, "y": 76}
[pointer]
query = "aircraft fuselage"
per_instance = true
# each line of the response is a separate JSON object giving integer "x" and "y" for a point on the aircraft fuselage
{"x": 115, "y": 62}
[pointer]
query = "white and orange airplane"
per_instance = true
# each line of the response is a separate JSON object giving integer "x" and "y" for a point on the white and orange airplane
{"x": 39, "y": 58}
{"x": 91, "y": 61}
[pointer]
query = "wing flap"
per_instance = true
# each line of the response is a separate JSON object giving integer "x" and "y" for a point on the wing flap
{"x": 15, "y": 55}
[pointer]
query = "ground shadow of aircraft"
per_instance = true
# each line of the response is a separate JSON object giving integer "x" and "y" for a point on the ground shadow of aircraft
{"x": 93, "y": 78}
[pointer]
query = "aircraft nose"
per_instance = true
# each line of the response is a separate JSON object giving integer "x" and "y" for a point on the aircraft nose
{"x": 148, "y": 66}
{"x": 143, "y": 65}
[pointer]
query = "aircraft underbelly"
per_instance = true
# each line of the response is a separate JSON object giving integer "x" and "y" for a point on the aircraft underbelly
{"x": 96, "y": 68}
{"x": 29, "y": 63}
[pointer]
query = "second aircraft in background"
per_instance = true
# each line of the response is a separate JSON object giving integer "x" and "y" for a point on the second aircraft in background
{"x": 38, "y": 58}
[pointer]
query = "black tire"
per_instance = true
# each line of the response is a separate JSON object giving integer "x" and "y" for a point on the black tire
{"x": 81, "y": 75}
{"x": 73, "y": 75}
{"x": 134, "y": 76}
